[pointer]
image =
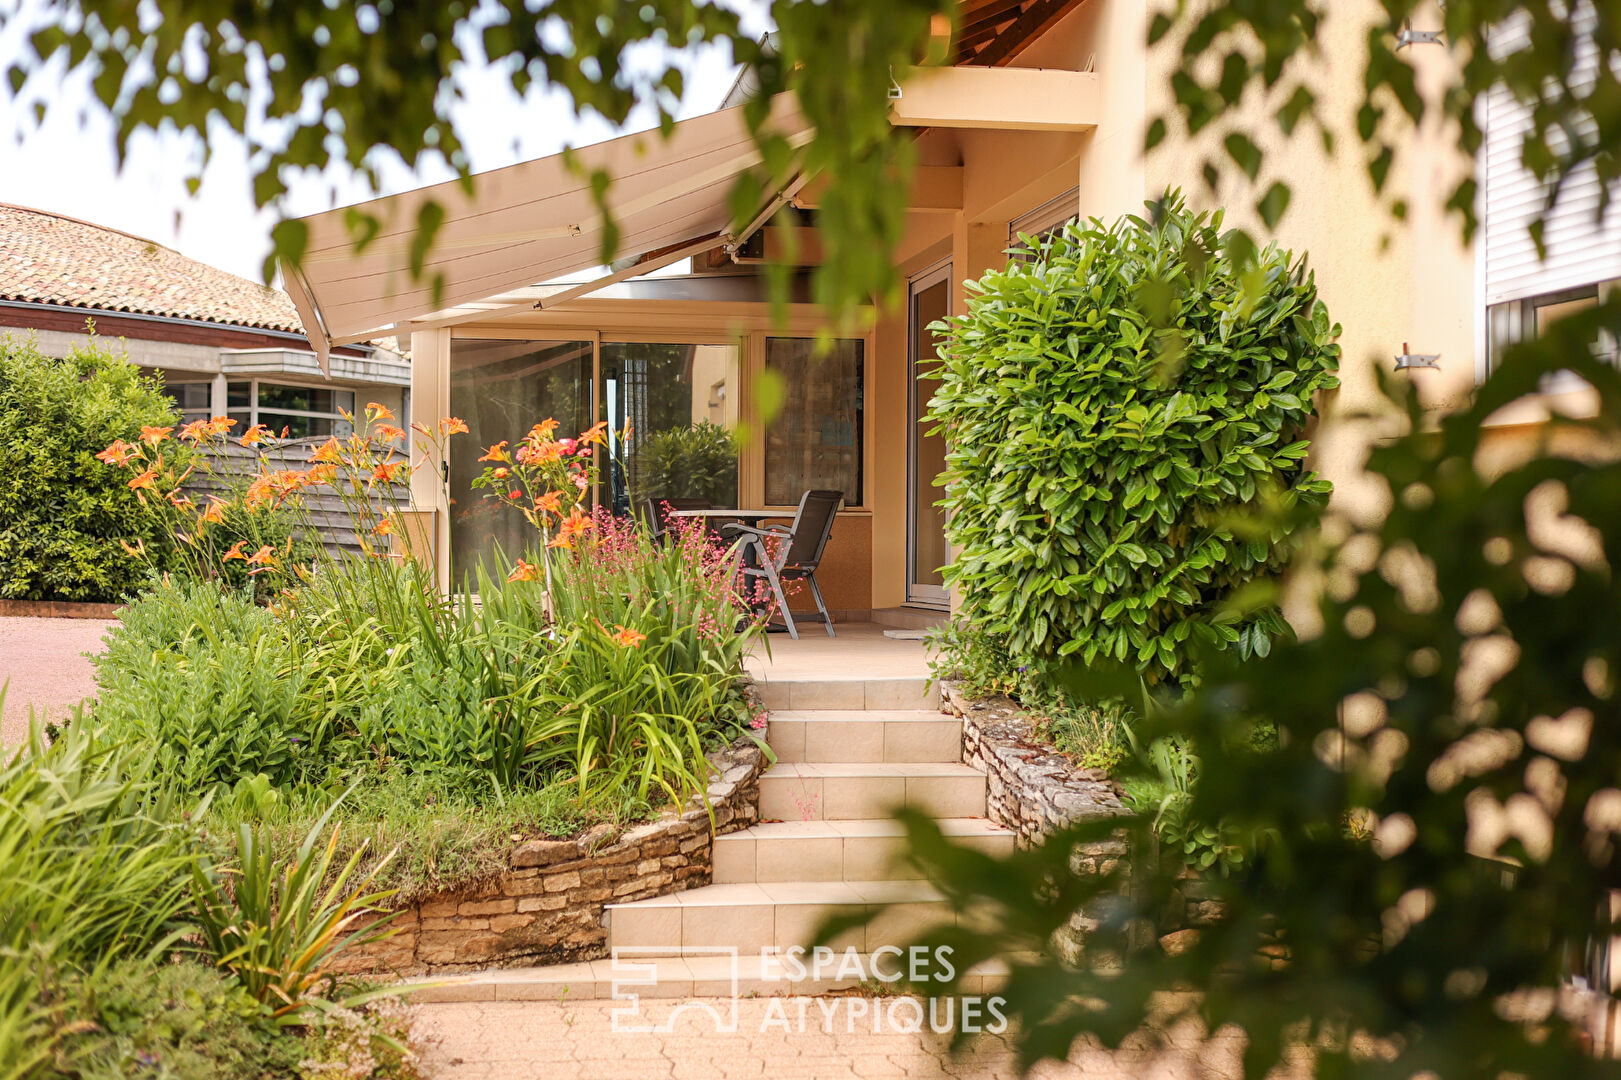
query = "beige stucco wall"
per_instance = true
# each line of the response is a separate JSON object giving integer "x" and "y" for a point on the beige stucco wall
{"x": 1385, "y": 283}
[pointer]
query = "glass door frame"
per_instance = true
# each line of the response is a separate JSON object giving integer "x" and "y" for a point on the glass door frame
{"x": 919, "y": 594}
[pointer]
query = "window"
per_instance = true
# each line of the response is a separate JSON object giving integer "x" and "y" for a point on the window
{"x": 192, "y": 399}
{"x": 1524, "y": 290}
{"x": 1530, "y": 317}
{"x": 815, "y": 441}
{"x": 303, "y": 412}
{"x": 1043, "y": 221}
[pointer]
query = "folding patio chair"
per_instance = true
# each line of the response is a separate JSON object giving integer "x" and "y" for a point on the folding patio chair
{"x": 798, "y": 553}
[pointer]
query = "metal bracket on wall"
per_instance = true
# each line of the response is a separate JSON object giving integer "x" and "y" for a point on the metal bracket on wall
{"x": 1417, "y": 37}
{"x": 1407, "y": 359}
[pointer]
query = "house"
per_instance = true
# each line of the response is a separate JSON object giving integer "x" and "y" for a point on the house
{"x": 1040, "y": 118}
{"x": 223, "y": 344}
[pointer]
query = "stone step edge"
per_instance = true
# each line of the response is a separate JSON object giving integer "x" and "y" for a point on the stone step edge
{"x": 695, "y": 976}
{"x": 876, "y": 828}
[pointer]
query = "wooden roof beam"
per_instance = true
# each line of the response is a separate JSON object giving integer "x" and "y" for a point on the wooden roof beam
{"x": 998, "y": 99}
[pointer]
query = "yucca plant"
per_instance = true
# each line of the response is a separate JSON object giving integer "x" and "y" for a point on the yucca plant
{"x": 275, "y": 927}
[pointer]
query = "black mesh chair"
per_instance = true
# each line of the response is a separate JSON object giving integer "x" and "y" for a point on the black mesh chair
{"x": 798, "y": 553}
{"x": 657, "y": 512}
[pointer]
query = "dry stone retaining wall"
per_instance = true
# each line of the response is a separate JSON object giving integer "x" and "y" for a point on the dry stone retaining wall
{"x": 547, "y": 906}
{"x": 1034, "y": 791}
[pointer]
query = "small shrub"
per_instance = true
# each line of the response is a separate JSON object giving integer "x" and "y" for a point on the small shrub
{"x": 697, "y": 462}
{"x": 64, "y": 516}
{"x": 1115, "y": 408}
{"x": 182, "y": 1021}
{"x": 212, "y": 687}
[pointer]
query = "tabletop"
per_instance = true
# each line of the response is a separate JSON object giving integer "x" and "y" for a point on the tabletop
{"x": 752, "y": 514}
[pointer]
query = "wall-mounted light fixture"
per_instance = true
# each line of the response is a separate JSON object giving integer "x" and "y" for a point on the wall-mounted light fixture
{"x": 1407, "y": 359}
{"x": 1417, "y": 37}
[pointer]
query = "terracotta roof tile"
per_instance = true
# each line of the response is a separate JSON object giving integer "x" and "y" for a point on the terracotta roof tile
{"x": 50, "y": 259}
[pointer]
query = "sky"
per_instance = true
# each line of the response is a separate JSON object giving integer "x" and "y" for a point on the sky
{"x": 66, "y": 164}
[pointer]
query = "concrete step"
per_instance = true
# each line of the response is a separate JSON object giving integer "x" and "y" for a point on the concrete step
{"x": 910, "y": 618}
{"x": 868, "y": 850}
{"x": 852, "y": 735}
{"x": 751, "y": 917}
{"x": 855, "y": 693}
{"x": 714, "y": 975}
{"x": 827, "y": 791}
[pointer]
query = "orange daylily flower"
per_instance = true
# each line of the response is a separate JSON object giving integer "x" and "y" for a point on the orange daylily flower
{"x": 235, "y": 552}
{"x": 498, "y": 452}
{"x": 384, "y": 527}
{"x": 543, "y": 453}
{"x": 328, "y": 453}
{"x": 265, "y": 556}
{"x": 221, "y": 424}
{"x": 627, "y": 637}
{"x": 154, "y": 435}
{"x": 576, "y": 523}
{"x": 195, "y": 431}
{"x": 388, "y": 433}
{"x": 145, "y": 480}
{"x": 551, "y": 502}
{"x": 387, "y": 471}
{"x": 321, "y": 474}
{"x": 378, "y": 412}
{"x": 453, "y": 425}
{"x": 562, "y": 540}
{"x": 524, "y": 572}
{"x": 255, "y": 435}
{"x": 544, "y": 429}
{"x": 214, "y": 514}
{"x": 596, "y": 434}
{"x": 118, "y": 453}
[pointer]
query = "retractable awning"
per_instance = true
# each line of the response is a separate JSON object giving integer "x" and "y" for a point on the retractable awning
{"x": 526, "y": 224}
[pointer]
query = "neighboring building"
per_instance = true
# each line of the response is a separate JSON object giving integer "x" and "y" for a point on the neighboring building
{"x": 1040, "y": 119}
{"x": 223, "y": 344}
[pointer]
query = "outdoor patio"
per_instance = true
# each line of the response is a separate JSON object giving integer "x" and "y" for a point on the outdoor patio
{"x": 860, "y": 652}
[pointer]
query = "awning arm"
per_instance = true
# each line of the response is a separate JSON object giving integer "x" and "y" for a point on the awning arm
{"x": 303, "y": 298}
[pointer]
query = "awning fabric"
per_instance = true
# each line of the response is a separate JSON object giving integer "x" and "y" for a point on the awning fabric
{"x": 524, "y": 224}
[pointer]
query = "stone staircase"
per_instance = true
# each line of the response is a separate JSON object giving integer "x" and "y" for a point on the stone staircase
{"x": 849, "y": 751}
{"x": 826, "y": 844}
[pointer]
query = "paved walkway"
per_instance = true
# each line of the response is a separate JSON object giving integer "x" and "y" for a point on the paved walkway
{"x": 835, "y": 1041}
{"x": 44, "y": 661}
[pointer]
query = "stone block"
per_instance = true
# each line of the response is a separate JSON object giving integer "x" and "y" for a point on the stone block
{"x": 487, "y": 907}
{"x": 554, "y": 902}
{"x": 562, "y": 882}
{"x": 535, "y": 853}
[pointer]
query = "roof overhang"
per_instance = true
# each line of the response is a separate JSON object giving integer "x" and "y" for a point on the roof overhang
{"x": 507, "y": 230}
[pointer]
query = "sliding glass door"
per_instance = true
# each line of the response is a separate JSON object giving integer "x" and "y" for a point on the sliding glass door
{"x": 926, "y": 551}
{"x": 502, "y": 389}
{"x": 679, "y": 403}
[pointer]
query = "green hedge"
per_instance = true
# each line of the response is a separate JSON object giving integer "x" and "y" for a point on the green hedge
{"x": 62, "y": 512}
{"x": 1112, "y": 405}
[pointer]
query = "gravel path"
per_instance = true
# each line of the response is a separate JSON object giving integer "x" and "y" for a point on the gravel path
{"x": 835, "y": 1041}
{"x": 44, "y": 661}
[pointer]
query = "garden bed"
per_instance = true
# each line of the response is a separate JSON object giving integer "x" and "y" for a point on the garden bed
{"x": 548, "y": 905}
